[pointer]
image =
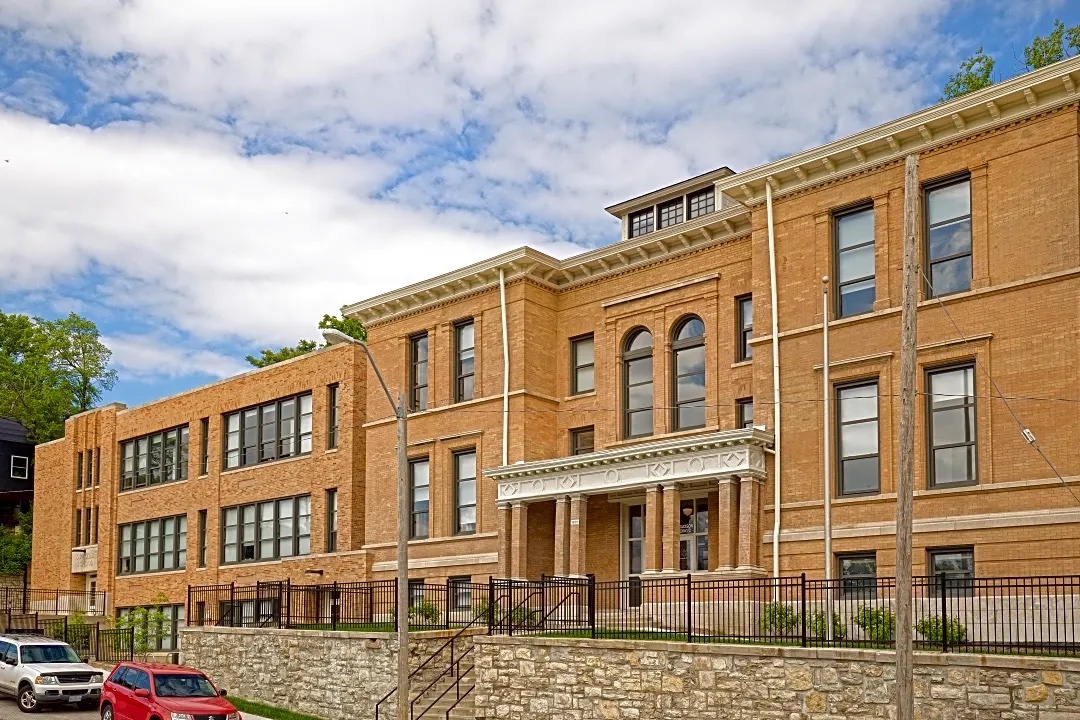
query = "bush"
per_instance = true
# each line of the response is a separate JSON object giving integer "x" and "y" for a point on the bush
{"x": 424, "y": 610}
{"x": 819, "y": 629}
{"x": 879, "y": 624}
{"x": 778, "y": 619}
{"x": 931, "y": 630}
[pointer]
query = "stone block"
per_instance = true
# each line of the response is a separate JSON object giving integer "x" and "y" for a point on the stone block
{"x": 1051, "y": 677}
{"x": 1035, "y": 693}
{"x": 815, "y": 702}
{"x": 989, "y": 701}
{"x": 799, "y": 678}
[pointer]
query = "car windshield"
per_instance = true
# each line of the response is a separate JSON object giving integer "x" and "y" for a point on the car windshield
{"x": 48, "y": 654}
{"x": 183, "y": 686}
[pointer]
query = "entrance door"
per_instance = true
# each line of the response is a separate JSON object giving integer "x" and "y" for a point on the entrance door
{"x": 635, "y": 551}
{"x": 694, "y": 534}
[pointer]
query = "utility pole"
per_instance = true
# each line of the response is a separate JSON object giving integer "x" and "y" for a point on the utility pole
{"x": 905, "y": 700}
{"x": 826, "y": 464}
{"x": 401, "y": 410}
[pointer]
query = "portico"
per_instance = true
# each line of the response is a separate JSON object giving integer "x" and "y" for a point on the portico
{"x": 688, "y": 504}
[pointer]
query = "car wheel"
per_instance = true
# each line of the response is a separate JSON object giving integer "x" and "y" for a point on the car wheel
{"x": 106, "y": 713}
{"x": 27, "y": 700}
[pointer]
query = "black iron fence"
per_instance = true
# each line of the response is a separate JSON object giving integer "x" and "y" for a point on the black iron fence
{"x": 51, "y": 602}
{"x": 88, "y": 640}
{"x": 1020, "y": 615}
{"x": 356, "y": 606}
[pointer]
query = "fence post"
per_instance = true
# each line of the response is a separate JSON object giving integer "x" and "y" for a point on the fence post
{"x": 802, "y": 595}
{"x": 66, "y": 638}
{"x": 491, "y": 604}
{"x": 288, "y": 604}
{"x": 689, "y": 608}
{"x": 335, "y": 607}
{"x": 397, "y": 589}
{"x": 592, "y": 605}
{"x": 543, "y": 600}
{"x": 57, "y": 603}
{"x": 944, "y": 615}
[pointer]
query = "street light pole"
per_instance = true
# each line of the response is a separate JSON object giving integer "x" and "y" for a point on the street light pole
{"x": 401, "y": 411}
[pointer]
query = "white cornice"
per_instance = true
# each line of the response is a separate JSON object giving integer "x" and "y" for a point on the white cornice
{"x": 526, "y": 263}
{"x": 975, "y": 112}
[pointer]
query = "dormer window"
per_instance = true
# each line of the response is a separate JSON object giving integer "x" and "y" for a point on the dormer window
{"x": 641, "y": 223}
{"x": 672, "y": 212}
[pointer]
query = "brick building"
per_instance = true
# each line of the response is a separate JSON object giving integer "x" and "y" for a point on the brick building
{"x": 618, "y": 412}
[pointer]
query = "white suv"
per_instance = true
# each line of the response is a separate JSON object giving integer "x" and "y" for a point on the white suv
{"x": 36, "y": 670}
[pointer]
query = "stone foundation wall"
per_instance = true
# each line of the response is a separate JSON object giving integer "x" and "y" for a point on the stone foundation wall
{"x": 333, "y": 675}
{"x": 549, "y": 679}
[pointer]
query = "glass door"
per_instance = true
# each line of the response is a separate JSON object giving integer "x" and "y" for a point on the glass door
{"x": 635, "y": 551}
{"x": 694, "y": 534}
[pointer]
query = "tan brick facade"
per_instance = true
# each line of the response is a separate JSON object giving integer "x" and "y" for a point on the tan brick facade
{"x": 1019, "y": 323}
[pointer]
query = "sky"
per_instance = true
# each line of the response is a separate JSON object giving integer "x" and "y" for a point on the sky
{"x": 204, "y": 179}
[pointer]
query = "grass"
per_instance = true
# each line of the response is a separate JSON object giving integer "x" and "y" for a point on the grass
{"x": 268, "y": 711}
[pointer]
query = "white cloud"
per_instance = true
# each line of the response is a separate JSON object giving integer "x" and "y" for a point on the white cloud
{"x": 577, "y": 104}
{"x": 153, "y": 356}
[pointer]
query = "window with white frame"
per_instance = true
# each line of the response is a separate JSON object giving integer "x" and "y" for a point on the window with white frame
{"x": 20, "y": 467}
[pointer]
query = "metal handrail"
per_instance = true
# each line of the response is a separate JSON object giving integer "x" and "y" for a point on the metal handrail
{"x": 510, "y": 614}
{"x": 558, "y": 605}
{"x": 461, "y": 697}
{"x": 448, "y": 643}
{"x": 449, "y": 671}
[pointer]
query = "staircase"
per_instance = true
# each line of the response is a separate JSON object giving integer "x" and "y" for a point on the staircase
{"x": 464, "y": 710}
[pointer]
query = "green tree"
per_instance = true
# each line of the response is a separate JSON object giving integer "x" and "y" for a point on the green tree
{"x": 150, "y": 624}
{"x": 15, "y": 545}
{"x": 49, "y": 370}
{"x": 974, "y": 74}
{"x": 1058, "y": 44}
{"x": 350, "y": 326}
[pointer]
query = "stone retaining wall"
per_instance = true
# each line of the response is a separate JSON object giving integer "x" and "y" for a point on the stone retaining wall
{"x": 548, "y": 678}
{"x": 333, "y": 675}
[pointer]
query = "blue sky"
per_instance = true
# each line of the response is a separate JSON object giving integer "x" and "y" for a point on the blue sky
{"x": 203, "y": 179}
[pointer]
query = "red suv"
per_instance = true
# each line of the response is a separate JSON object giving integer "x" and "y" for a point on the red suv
{"x": 150, "y": 691}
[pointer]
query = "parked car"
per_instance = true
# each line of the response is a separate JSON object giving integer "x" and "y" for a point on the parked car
{"x": 37, "y": 670}
{"x": 145, "y": 691}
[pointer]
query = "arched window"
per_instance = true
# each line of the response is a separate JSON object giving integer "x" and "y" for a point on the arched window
{"x": 638, "y": 384}
{"x": 688, "y": 374}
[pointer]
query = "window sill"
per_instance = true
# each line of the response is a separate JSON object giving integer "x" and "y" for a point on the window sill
{"x": 742, "y": 363}
{"x": 579, "y": 396}
{"x": 135, "y": 491}
{"x": 331, "y": 451}
{"x": 269, "y": 463}
{"x": 666, "y": 436}
{"x": 152, "y": 573}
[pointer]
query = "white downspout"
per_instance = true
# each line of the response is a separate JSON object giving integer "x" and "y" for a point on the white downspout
{"x": 506, "y": 371}
{"x": 776, "y": 383}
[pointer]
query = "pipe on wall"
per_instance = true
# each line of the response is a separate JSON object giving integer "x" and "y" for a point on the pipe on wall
{"x": 776, "y": 382}
{"x": 506, "y": 371}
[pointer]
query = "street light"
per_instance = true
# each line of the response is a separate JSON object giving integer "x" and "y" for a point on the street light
{"x": 335, "y": 337}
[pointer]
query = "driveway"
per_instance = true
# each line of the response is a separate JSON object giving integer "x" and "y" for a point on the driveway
{"x": 9, "y": 711}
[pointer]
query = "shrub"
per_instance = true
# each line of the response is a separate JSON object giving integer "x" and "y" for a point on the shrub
{"x": 424, "y": 610}
{"x": 819, "y": 629}
{"x": 778, "y": 619}
{"x": 931, "y": 630}
{"x": 879, "y": 624}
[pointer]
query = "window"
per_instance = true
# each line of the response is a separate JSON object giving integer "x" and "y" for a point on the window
{"x": 204, "y": 460}
{"x": 202, "y": 538}
{"x": 272, "y": 431}
{"x": 79, "y": 472}
{"x": 582, "y": 365}
{"x": 20, "y": 467}
{"x": 267, "y": 530}
{"x": 88, "y": 524}
{"x": 641, "y": 223}
{"x": 461, "y": 592}
{"x": 744, "y": 412}
{"x": 420, "y": 484}
{"x": 464, "y": 361}
{"x": 153, "y": 545}
{"x": 332, "y": 404}
{"x": 97, "y": 468}
{"x": 858, "y": 575}
{"x": 159, "y": 627}
{"x": 418, "y": 372}
{"x": 94, "y": 526}
{"x": 331, "y": 520}
{"x": 638, "y": 384}
{"x": 857, "y": 437}
{"x": 635, "y": 539}
{"x": 154, "y": 459}
{"x": 416, "y": 591}
{"x": 89, "y": 469}
{"x": 948, "y": 237}
{"x": 955, "y": 567}
{"x": 465, "y": 492}
{"x": 78, "y": 527}
{"x": 701, "y": 202}
{"x": 688, "y": 370}
{"x": 694, "y": 534}
{"x": 582, "y": 440}
{"x": 744, "y": 328}
{"x": 671, "y": 213}
{"x": 951, "y": 426}
{"x": 854, "y": 232}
